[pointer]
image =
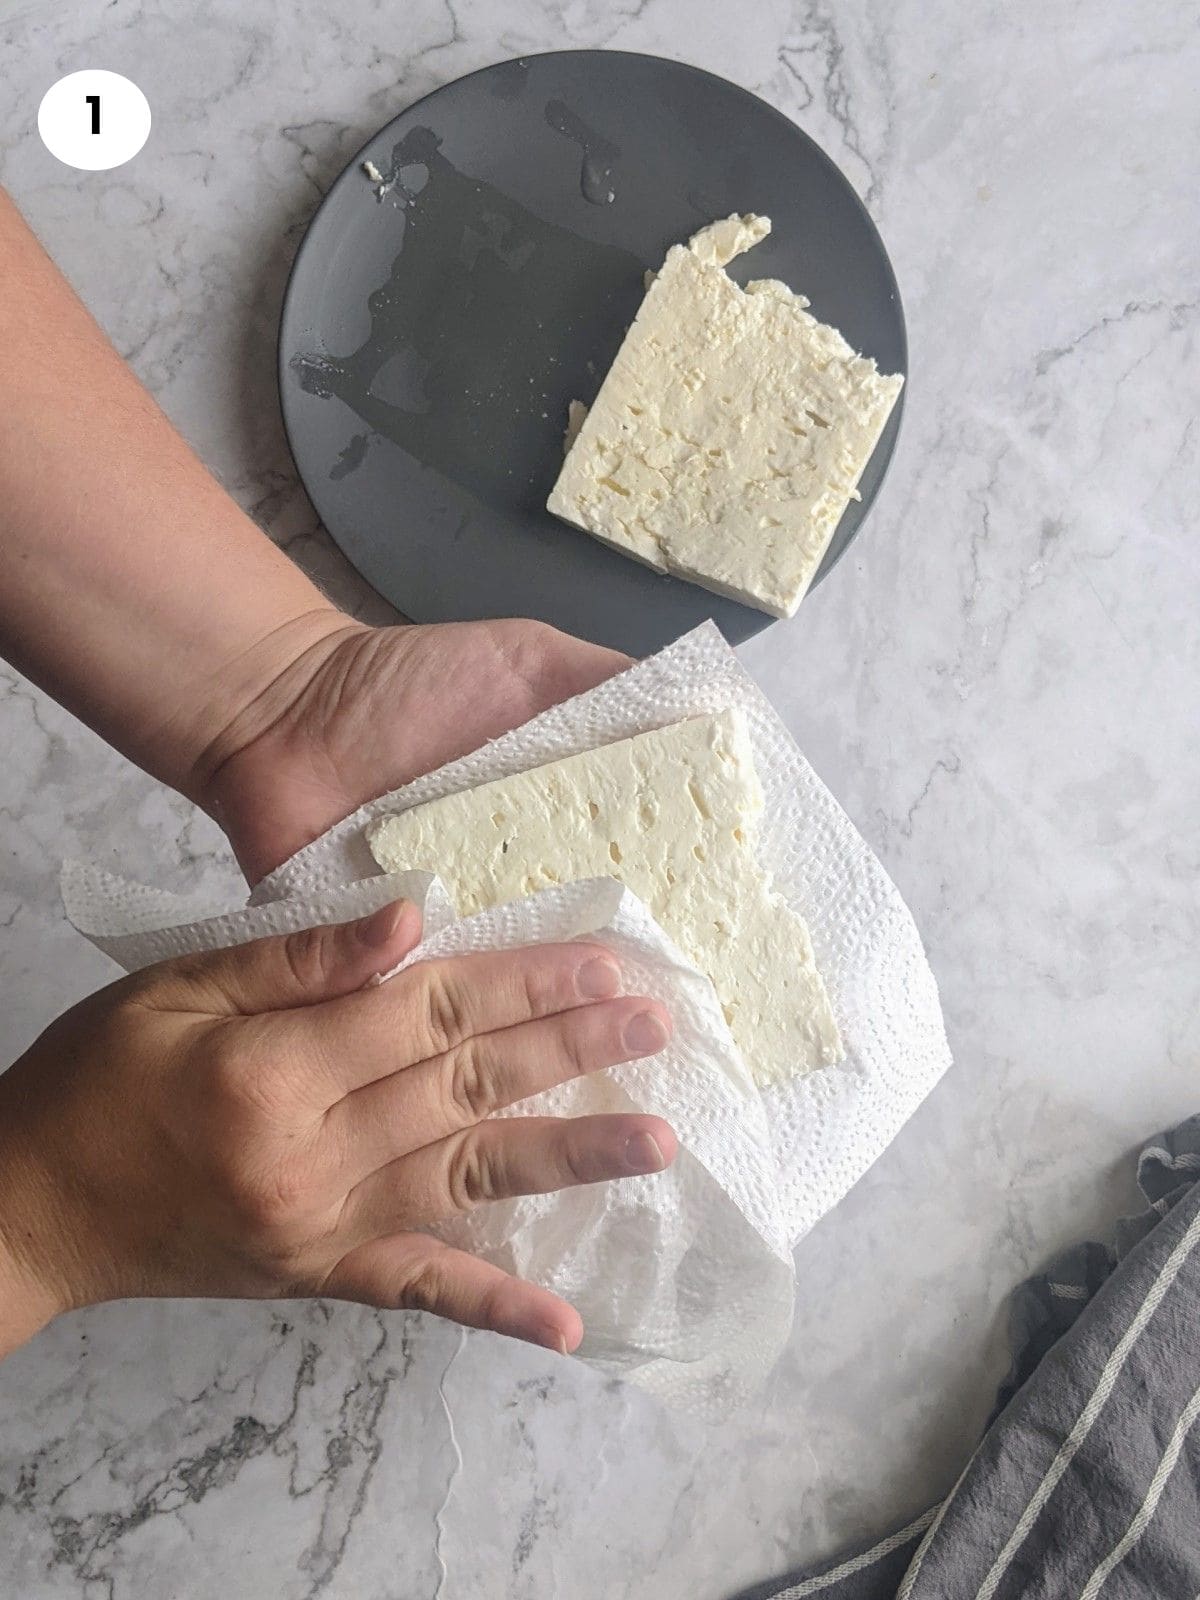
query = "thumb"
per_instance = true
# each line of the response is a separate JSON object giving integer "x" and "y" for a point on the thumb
{"x": 293, "y": 969}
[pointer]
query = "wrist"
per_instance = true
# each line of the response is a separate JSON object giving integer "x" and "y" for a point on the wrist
{"x": 253, "y": 695}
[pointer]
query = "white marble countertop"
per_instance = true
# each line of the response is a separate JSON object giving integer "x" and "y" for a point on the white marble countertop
{"x": 999, "y": 684}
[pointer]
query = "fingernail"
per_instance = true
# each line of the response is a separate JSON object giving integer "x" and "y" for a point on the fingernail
{"x": 645, "y": 1034}
{"x": 598, "y": 979}
{"x": 377, "y": 930}
{"x": 642, "y": 1153}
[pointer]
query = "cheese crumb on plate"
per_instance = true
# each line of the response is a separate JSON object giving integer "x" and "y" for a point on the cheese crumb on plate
{"x": 730, "y": 433}
{"x": 673, "y": 815}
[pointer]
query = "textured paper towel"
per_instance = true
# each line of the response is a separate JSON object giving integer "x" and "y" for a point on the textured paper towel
{"x": 682, "y": 1279}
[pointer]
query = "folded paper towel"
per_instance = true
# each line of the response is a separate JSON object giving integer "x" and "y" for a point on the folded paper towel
{"x": 684, "y": 1280}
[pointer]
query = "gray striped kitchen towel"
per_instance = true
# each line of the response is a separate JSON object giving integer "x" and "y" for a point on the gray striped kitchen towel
{"x": 1087, "y": 1482}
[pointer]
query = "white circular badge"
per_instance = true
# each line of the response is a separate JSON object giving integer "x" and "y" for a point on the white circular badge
{"x": 94, "y": 120}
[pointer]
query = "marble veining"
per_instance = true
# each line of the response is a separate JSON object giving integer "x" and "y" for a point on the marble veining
{"x": 999, "y": 683}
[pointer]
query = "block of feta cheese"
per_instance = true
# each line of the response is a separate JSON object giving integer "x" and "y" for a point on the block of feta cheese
{"x": 673, "y": 815}
{"x": 730, "y": 433}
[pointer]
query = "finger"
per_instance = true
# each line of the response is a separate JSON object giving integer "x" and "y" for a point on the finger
{"x": 402, "y": 1112}
{"x": 500, "y": 1159}
{"x": 410, "y": 1271}
{"x": 290, "y": 970}
{"x": 576, "y": 666}
{"x": 435, "y": 1006}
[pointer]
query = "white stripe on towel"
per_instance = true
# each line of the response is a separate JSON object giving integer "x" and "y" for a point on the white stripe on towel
{"x": 1188, "y": 1161}
{"x": 857, "y": 1563}
{"x": 1168, "y": 1272}
{"x": 1149, "y": 1505}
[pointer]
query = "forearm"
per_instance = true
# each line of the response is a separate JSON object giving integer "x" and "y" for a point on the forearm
{"x": 132, "y": 588}
{"x": 20, "y": 1314}
{"x": 28, "y": 1300}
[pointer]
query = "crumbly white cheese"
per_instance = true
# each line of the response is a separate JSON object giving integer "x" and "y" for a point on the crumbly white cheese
{"x": 673, "y": 815}
{"x": 717, "y": 244}
{"x": 576, "y": 416}
{"x": 730, "y": 433}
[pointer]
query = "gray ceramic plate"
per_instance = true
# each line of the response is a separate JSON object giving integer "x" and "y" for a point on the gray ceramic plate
{"x": 431, "y": 339}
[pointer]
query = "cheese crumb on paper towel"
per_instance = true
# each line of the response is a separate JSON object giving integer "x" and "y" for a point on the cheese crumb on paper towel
{"x": 672, "y": 814}
{"x": 730, "y": 433}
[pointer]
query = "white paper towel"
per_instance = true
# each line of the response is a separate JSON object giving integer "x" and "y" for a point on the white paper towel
{"x": 684, "y": 1280}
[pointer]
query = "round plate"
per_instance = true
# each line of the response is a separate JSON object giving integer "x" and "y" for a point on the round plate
{"x": 431, "y": 339}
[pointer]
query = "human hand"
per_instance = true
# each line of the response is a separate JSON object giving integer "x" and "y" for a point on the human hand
{"x": 255, "y": 1122}
{"x": 136, "y": 592}
{"x": 349, "y": 712}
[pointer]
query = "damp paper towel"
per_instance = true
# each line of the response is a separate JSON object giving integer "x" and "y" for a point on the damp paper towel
{"x": 685, "y": 1280}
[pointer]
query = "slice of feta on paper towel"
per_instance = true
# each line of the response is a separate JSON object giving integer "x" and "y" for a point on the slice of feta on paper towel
{"x": 674, "y": 814}
{"x": 730, "y": 433}
{"x": 684, "y": 1280}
